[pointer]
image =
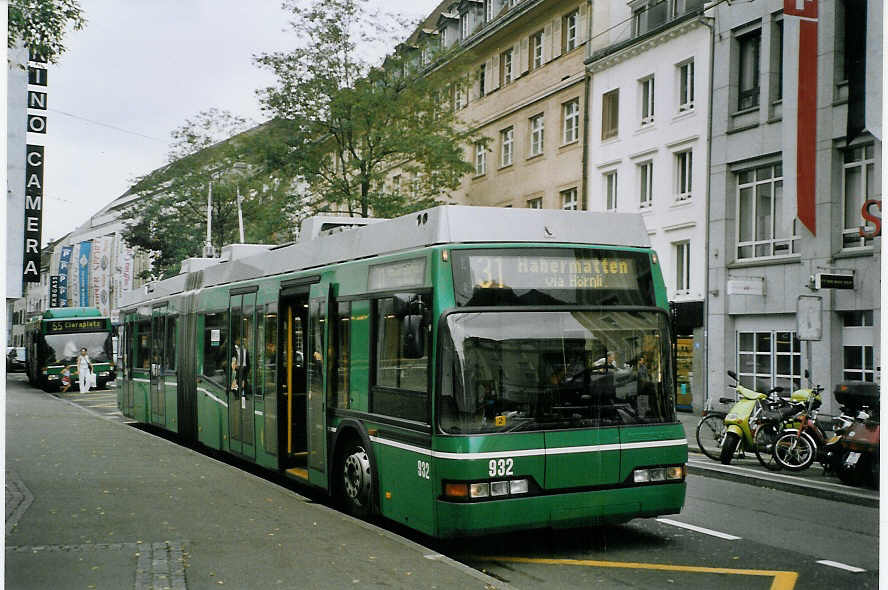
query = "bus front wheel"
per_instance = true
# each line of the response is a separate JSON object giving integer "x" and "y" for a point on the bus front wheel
{"x": 355, "y": 480}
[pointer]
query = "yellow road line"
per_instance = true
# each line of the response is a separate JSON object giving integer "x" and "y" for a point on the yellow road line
{"x": 783, "y": 580}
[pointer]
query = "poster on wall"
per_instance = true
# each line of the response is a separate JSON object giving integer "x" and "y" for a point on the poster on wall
{"x": 64, "y": 263}
{"x": 83, "y": 266}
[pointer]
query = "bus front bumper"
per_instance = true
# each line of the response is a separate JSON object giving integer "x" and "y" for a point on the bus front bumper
{"x": 577, "y": 509}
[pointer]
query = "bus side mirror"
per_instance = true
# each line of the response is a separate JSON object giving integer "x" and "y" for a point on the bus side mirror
{"x": 414, "y": 342}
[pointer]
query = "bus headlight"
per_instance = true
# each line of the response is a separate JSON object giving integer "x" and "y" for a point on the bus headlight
{"x": 103, "y": 374}
{"x": 51, "y": 377}
{"x": 659, "y": 474}
{"x": 480, "y": 490}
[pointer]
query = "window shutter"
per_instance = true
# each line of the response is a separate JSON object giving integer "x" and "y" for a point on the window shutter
{"x": 547, "y": 43}
{"x": 523, "y": 57}
{"x": 556, "y": 40}
{"x": 474, "y": 87}
{"x": 493, "y": 72}
{"x": 582, "y": 15}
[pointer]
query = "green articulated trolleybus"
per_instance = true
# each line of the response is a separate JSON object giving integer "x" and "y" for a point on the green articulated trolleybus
{"x": 54, "y": 339}
{"x": 462, "y": 370}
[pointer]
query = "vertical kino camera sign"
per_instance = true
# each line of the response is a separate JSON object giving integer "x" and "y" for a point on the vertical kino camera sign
{"x": 34, "y": 172}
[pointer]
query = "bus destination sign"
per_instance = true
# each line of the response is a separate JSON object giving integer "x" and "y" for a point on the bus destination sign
{"x": 80, "y": 325}
{"x": 552, "y": 272}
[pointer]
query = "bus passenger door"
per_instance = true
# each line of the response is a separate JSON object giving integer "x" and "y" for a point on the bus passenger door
{"x": 319, "y": 301}
{"x": 156, "y": 394}
{"x": 293, "y": 384}
{"x": 241, "y": 374}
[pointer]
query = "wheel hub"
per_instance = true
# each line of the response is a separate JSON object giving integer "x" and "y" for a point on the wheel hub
{"x": 356, "y": 476}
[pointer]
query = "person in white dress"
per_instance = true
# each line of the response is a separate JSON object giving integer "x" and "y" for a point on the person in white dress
{"x": 84, "y": 369}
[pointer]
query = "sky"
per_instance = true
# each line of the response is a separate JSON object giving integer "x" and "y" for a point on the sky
{"x": 137, "y": 71}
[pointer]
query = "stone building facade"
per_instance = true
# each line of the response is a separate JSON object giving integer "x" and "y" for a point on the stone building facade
{"x": 763, "y": 267}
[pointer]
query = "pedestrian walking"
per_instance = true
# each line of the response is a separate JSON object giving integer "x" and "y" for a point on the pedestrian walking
{"x": 84, "y": 370}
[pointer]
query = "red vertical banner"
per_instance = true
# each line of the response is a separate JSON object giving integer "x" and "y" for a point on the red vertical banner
{"x": 806, "y": 116}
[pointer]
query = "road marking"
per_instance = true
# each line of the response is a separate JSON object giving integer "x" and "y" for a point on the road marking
{"x": 783, "y": 580}
{"x": 699, "y": 529}
{"x": 841, "y": 566}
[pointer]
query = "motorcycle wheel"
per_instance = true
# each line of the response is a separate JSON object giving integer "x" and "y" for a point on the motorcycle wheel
{"x": 763, "y": 441}
{"x": 732, "y": 441}
{"x": 711, "y": 434}
{"x": 794, "y": 451}
{"x": 857, "y": 474}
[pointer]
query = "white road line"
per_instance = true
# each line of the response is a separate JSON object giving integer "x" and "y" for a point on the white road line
{"x": 841, "y": 566}
{"x": 699, "y": 529}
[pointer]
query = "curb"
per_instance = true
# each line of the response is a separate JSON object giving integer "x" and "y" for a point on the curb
{"x": 788, "y": 483}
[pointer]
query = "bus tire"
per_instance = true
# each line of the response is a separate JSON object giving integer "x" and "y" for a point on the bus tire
{"x": 354, "y": 479}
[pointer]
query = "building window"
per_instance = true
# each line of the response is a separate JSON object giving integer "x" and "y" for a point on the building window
{"x": 571, "y": 115}
{"x": 777, "y": 60}
{"x": 569, "y": 26}
{"x": 464, "y": 25}
{"x": 536, "y": 50}
{"x": 683, "y": 173}
{"x": 396, "y": 184}
{"x": 682, "y": 267}
{"x": 536, "y": 203}
{"x": 769, "y": 359}
{"x": 760, "y": 226}
{"x": 480, "y": 159}
{"x": 536, "y": 135}
{"x": 686, "y": 86}
{"x": 506, "y": 72}
{"x": 488, "y": 10}
{"x": 610, "y": 190}
{"x": 506, "y": 137}
{"x": 569, "y": 199}
{"x": 858, "y": 185}
{"x": 610, "y": 113}
{"x": 645, "y": 184}
{"x": 482, "y": 79}
{"x": 857, "y": 346}
{"x": 459, "y": 97}
{"x": 748, "y": 69}
{"x": 647, "y": 100}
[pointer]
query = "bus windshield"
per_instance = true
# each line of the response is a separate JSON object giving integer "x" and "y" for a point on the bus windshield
{"x": 64, "y": 348}
{"x": 543, "y": 370}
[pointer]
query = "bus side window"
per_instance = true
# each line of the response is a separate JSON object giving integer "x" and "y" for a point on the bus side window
{"x": 401, "y": 382}
{"x": 215, "y": 345}
{"x": 142, "y": 357}
{"x": 340, "y": 394}
{"x": 169, "y": 344}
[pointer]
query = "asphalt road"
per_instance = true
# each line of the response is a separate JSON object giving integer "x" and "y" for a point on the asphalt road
{"x": 730, "y": 535}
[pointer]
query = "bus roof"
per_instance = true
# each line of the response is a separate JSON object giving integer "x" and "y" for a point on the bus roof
{"x": 449, "y": 224}
{"x": 56, "y": 313}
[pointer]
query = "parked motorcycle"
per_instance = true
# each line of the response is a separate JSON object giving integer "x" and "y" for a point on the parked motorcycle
{"x": 797, "y": 447}
{"x": 856, "y": 457}
{"x": 737, "y": 431}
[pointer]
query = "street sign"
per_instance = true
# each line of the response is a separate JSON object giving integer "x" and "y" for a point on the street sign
{"x": 824, "y": 280}
{"x": 809, "y": 318}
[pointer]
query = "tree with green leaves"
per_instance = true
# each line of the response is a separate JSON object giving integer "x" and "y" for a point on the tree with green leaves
{"x": 213, "y": 149}
{"x": 40, "y": 25}
{"x": 347, "y": 125}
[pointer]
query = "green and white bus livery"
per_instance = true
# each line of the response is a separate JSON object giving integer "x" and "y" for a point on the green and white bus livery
{"x": 462, "y": 370}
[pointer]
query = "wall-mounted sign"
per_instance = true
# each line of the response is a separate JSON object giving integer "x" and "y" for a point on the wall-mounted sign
{"x": 746, "y": 286}
{"x": 875, "y": 220}
{"x": 54, "y": 291}
{"x": 809, "y": 318}
{"x": 33, "y": 213}
{"x": 823, "y": 280}
{"x": 36, "y": 123}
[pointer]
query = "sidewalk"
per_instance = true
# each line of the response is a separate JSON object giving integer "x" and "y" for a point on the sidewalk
{"x": 92, "y": 503}
{"x": 811, "y": 482}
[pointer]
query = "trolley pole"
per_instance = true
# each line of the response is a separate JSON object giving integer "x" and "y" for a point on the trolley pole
{"x": 208, "y": 245}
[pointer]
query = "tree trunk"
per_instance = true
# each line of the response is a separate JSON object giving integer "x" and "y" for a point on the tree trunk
{"x": 365, "y": 190}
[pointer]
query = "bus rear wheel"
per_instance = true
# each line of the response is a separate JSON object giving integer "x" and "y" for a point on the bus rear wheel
{"x": 355, "y": 480}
